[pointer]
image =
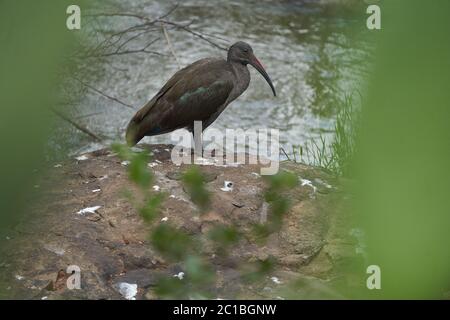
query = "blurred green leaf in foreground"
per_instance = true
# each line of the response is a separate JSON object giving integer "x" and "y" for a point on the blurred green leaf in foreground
{"x": 34, "y": 42}
{"x": 404, "y": 143}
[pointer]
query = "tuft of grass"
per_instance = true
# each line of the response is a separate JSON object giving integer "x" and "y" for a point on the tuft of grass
{"x": 336, "y": 156}
{"x": 344, "y": 143}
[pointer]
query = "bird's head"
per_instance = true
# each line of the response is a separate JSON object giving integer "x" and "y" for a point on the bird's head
{"x": 241, "y": 52}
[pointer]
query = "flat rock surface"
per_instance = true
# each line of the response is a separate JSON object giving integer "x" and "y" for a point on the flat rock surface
{"x": 109, "y": 241}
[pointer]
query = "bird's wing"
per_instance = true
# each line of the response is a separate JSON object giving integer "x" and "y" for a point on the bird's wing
{"x": 193, "y": 93}
{"x": 200, "y": 74}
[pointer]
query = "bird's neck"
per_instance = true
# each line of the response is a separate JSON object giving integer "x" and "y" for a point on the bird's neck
{"x": 237, "y": 65}
{"x": 242, "y": 75}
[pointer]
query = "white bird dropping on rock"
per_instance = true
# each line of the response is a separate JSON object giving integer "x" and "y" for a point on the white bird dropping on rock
{"x": 276, "y": 280}
{"x": 227, "y": 186}
{"x": 127, "y": 290}
{"x": 179, "y": 275}
{"x": 306, "y": 182}
{"x": 88, "y": 210}
{"x": 82, "y": 158}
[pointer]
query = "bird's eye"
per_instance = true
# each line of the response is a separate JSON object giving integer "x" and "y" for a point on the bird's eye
{"x": 245, "y": 50}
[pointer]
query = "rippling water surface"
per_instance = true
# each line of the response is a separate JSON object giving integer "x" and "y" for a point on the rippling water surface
{"x": 314, "y": 56}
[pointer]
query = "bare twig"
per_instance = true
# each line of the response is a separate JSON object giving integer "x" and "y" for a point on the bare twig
{"x": 282, "y": 149}
{"x": 77, "y": 125}
{"x": 169, "y": 43}
{"x": 133, "y": 38}
{"x": 168, "y": 13}
{"x": 116, "y": 14}
{"x": 143, "y": 50}
{"x": 195, "y": 33}
{"x": 88, "y": 115}
{"x": 111, "y": 42}
{"x": 145, "y": 26}
{"x": 134, "y": 15}
{"x": 103, "y": 94}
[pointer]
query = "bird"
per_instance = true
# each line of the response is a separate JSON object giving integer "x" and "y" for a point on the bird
{"x": 199, "y": 92}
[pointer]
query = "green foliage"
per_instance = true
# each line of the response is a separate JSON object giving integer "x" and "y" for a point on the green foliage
{"x": 171, "y": 242}
{"x": 258, "y": 270}
{"x": 34, "y": 47}
{"x": 151, "y": 208}
{"x": 178, "y": 246}
{"x": 278, "y": 208}
{"x": 317, "y": 152}
{"x": 279, "y": 205}
{"x": 344, "y": 144}
{"x": 195, "y": 284}
{"x": 138, "y": 170}
{"x": 338, "y": 155}
{"x": 261, "y": 232}
{"x": 137, "y": 167}
{"x": 224, "y": 237}
{"x": 279, "y": 182}
{"x": 402, "y": 163}
{"x": 123, "y": 151}
{"x": 171, "y": 288}
{"x": 199, "y": 272}
{"x": 195, "y": 185}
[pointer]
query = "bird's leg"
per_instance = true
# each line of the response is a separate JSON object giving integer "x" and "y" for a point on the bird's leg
{"x": 198, "y": 143}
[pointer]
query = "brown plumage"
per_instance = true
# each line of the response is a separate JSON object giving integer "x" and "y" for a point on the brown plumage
{"x": 198, "y": 92}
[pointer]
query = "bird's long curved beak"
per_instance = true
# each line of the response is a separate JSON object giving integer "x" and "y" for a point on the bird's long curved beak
{"x": 258, "y": 66}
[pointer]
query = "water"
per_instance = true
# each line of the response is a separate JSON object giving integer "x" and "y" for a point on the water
{"x": 313, "y": 55}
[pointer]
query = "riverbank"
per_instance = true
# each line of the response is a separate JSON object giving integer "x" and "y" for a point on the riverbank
{"x": 83, "y": 219}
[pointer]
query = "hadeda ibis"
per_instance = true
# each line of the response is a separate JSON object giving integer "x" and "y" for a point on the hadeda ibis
{"x": 198, "y": 92}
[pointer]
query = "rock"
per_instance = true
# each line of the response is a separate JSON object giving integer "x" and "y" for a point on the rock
{"x": 111, "y": 245}
{"x": 127, "y": 290}
{"x": 144, "y": 278}
{"x": 178, "y": 175}
{"x": 137, "y": 256}
{"x": 151, "y": 295}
